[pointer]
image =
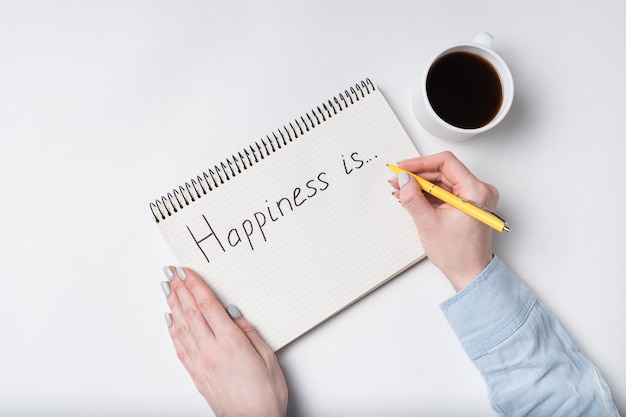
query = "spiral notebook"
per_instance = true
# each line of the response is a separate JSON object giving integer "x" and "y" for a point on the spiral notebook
{"x": 302, "y": 223}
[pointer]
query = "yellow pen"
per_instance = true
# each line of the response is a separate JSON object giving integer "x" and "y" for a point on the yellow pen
{"x": 475, "y": 210}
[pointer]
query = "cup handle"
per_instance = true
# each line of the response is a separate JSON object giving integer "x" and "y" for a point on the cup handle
{"x": 485, "y": 39}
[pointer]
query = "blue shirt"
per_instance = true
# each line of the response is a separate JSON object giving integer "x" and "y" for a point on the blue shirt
{"x": 530, "y": 364}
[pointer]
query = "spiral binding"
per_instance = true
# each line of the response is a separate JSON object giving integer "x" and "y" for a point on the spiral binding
{"x": 219, "y": 174}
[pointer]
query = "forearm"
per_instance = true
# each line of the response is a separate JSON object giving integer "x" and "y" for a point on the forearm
{"x": 530, "y": 364}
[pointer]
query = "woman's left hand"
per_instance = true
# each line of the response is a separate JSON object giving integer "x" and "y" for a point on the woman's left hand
{"x": 232, "y": 367}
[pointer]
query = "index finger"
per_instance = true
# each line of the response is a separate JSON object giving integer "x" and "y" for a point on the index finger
{"x": 213, "y": 311}
{"x": 443, "y": 167}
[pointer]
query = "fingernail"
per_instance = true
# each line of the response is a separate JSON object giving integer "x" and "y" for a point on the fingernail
{"x": 181, "y": 273}
{"x": 233, "y": 311}
{"x": 392, "y": 178}
{"x": 403, "y": 178}
{"x": 165, "y": 286}
{"x": 168, "y": 319}
{"x": 168, "y": 273}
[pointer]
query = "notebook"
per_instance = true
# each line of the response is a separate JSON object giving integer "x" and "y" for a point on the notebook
{"x": 302, "y": 223}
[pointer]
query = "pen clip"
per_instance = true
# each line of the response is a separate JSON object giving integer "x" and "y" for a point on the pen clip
{"x": 480, "y": 206}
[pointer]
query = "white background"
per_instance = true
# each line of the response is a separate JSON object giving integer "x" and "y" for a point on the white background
{"x": 105, "y": 106}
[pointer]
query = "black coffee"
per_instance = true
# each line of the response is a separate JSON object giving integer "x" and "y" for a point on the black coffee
{"x": 464, "y": 89}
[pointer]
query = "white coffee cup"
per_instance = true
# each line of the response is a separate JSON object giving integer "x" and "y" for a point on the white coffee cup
{"x": 433, "y": 120}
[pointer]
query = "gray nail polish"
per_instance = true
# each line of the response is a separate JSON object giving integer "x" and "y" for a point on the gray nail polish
{"x": 181, "y": 273}
{"x": 165, "y": 286}
{"x": 168, "y": 273}
{"x": 403, "y": 179}
{"x": 233, "y": 311}
{"x": 168, "y": 319}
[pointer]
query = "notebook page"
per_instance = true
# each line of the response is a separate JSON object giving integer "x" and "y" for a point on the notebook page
{"x": 310, "y": 229}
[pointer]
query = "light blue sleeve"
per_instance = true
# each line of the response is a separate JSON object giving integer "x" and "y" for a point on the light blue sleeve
{"x": 530, "y": 364}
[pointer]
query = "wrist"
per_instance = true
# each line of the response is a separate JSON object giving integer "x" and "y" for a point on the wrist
{"x": 462, "y": 274}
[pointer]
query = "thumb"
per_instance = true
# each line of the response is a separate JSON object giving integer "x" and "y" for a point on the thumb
{"x": 248, "y": 329}
{"x": 413, "y": 200}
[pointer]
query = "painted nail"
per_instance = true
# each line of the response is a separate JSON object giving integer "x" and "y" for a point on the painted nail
{"x": 168, "y": 273}
{"x": 233, "y": 311}
{"x": 181, "y": 273}
{"x": 165, "y": 286}
{"x": 168, "y": 319}
{"x": 403, "y": 179}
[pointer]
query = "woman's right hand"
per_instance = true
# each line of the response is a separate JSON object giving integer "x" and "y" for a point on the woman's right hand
{"x": 456, "y": 243}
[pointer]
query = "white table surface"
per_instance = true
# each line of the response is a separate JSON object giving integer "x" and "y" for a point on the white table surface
{"x": 105, "y": 106}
